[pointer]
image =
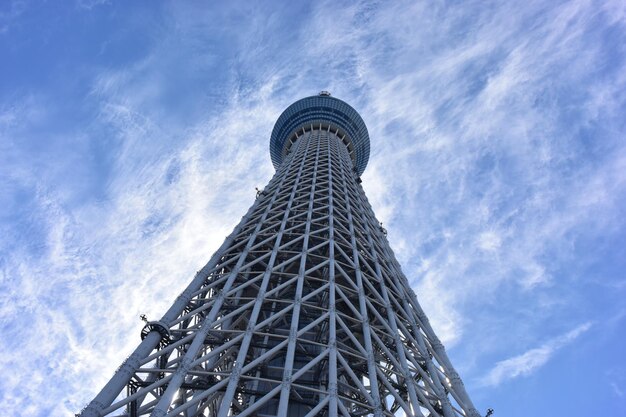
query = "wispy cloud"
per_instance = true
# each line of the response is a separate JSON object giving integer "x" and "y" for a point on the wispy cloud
{"x": 617, "y": 390}
{"x": 166, "y": 208}
{"x": 90, "y": 4}
{"x": 531, "y": 360}
{"x": 478, "y": 167}
{"x": 12, "y": 10}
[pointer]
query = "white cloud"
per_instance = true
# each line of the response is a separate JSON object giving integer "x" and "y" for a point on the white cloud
{"x": 427, "y": 175}
{"x": 103, "y": 263}
{"x": 531, "y": 360}
{"x": 489, "y": 241}
{"x": 13, "y": 9}
{"x": 90, "y": 4}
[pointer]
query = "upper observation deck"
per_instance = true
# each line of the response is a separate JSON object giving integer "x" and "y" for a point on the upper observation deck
{"x": 321, "y": 112}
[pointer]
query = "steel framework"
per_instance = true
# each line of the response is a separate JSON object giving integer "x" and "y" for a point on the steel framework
{"x": 303, "y": 311}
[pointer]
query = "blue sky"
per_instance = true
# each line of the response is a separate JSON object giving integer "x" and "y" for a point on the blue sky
{"x": 132, "y": 135}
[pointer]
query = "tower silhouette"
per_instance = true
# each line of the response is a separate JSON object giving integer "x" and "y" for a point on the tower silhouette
{"x": 303, "y": 311}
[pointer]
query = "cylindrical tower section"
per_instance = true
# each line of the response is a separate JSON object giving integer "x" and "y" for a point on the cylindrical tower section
{"x": 321, "y": 112}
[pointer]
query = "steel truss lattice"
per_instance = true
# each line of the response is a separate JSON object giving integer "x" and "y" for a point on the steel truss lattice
{"x": 303, "y": 311}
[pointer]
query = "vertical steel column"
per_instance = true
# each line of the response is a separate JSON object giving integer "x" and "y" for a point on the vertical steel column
{"x": 333, "y": 390}
{"x": 295, "y": 318}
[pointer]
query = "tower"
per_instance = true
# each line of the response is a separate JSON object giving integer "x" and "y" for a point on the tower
{"x": 303, "y": 311}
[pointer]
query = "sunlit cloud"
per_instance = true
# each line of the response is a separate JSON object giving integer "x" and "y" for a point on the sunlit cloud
{"x": 532, "y": 360}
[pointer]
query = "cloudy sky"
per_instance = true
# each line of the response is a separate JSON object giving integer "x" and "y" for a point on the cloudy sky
{"x": 133, "y": 134}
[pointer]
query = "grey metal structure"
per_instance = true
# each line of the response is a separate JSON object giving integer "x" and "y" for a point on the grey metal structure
{"x": 303, "y": 311}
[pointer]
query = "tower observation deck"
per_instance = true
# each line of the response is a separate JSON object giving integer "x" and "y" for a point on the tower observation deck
{"x": 303, "y": 311}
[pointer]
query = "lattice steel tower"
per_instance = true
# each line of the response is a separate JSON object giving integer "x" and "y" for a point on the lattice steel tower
{"x": 303, "y": 311}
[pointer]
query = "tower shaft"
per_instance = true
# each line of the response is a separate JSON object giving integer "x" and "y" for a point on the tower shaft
{"x": 303, "y": 311}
